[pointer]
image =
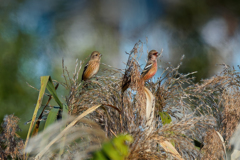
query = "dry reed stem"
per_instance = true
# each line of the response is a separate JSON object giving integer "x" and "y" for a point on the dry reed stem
{"x": 10, "y": 144}
{"x": 39, "y": 155}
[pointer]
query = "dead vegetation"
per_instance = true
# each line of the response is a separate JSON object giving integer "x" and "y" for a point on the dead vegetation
{"x": 11, "y": 144}
{"x": 197, "y": 111}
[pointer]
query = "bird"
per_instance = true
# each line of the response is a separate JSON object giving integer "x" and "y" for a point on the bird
{"x": 151, "y": 67}
{"x": 92, "y": 66}
{"x": 149, "y": 70}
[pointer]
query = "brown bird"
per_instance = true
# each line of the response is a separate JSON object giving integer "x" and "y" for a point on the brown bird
{"x": 151, "y": 67}
{"x": 92, "y": 67}
{"x": 149, "y": 70}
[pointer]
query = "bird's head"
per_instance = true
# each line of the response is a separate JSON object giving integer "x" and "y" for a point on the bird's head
{"x": 96, "y": 55}
{"x": 152, "y": 55}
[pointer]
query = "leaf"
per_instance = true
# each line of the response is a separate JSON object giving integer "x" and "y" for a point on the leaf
{"x": 149, "y": 102}
{"x": 99, "y": 156}
{"x": 110, "y": 152}
{"x": 120, "y": 144}
{"x": 52, "y": 116}
{"x": 44, "y": 81}
{"x": 52, "y": 91}
{"x": 37, "y": 124}
{"x": 168, "y": 147}
{"x": 116, "y": 149}
{"x": 165, "y": 117}
{"x": 150, "y": 105}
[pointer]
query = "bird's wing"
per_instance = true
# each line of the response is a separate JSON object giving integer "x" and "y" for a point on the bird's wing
{"x": 146, "y": 68}
{"x": 84, "y": 70}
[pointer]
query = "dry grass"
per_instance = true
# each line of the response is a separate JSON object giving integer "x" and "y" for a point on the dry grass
{"x": 220, "y": 94}
{"x": 175, "y": 93}
{"x": 78, "y": 142}
{"x": 197, "y": 112}
{"x": 230, "y": 102}
{"x": 10, "y": 143}
{"x": 213, "y": 148}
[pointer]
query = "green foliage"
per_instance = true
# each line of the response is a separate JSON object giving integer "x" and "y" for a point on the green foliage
{"x": 54, "y": 111}
{"x": 44, "y": 81}
{"x": 116, "y": 149}
{"x": 166, "y": 118}
{"x": 53, "y": 92}
{"x": 52, "y": 116}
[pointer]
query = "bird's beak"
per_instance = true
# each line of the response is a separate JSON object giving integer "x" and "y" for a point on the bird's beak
{"x": 157, "y": 54}
{"x": 100, "y": 55}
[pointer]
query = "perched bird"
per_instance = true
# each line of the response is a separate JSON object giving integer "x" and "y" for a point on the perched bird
{"x": 151, "y": 67}
{"x": 92, "y": 67}
{"x": 149, "y": 70}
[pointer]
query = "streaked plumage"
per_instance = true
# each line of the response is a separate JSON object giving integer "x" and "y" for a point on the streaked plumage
{"x": 92, "y": 67}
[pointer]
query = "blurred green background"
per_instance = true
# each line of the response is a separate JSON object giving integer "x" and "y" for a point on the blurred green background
{"x": 36, "y": 35}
